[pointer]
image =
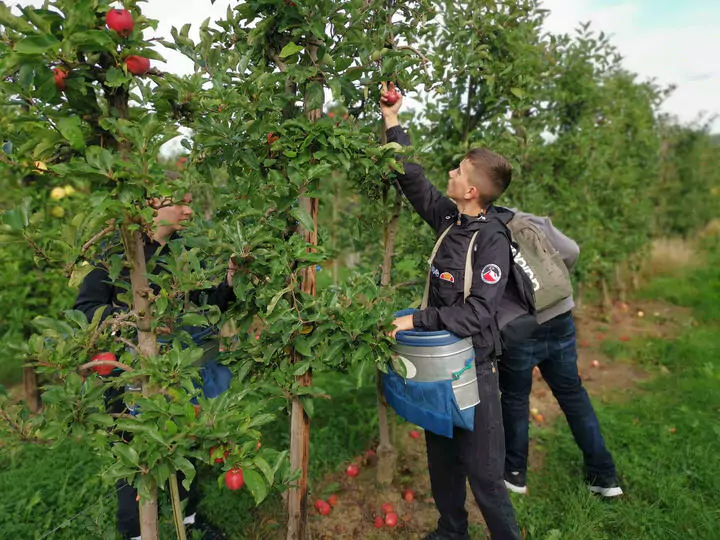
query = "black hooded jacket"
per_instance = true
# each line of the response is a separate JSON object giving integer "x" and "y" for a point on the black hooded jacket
{"x": 97, "y": 292}
{"x": 491, "y": 260}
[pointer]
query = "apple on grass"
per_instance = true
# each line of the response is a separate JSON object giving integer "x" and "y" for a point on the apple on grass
{"x": 391, "y": 519}
{"x": 332, "y": 500}
{"x": 379, "y": 522}
{"x": 352, "y": 470}
{"x": 386, "y": 508}
{"x": 408, "y": 495}
{"x": 322, "y": 507}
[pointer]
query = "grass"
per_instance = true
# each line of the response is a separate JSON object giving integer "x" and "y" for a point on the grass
{"x": 664, "y": 440}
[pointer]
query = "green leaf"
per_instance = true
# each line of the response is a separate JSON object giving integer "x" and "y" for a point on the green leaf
{"x": 127, "y": 454}
{"x": 70, "y": 128}
{"x": 184, "y": 465}
{"x": 37, "y": 44}
{"x": 308, "y": 405}
{"x": 276, "y": 299}
{"x": 302, "y": 346}
{"x": 266, "y": 469}
{"x": 261, "y": 420}
{"x": 19, "y": 24}
{"x": 290, "y": 49}
{"x": 302, "y": 368}
{"x": 304, "y": 217}
{"x": 256, "y": 485}
{"x": 517, "y": 92}
{"x": 116, "y": 77}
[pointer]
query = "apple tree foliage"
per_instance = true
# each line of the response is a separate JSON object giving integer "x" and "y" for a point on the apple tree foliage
{"x": 100, "y": 131}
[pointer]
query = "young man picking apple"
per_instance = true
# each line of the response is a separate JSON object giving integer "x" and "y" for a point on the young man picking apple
{"x": 98, "y": 292}
{"x": 477, "y": 455}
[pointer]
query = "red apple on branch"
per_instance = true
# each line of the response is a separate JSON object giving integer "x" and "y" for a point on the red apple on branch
{"x": 121, "y": 21}
{"x": 392, "y": 96}
{"x": 137, "y": 65}
{"x": 234, "y": 479}
{"x": 60, "y": 74}
{"x": 103, "y": 370}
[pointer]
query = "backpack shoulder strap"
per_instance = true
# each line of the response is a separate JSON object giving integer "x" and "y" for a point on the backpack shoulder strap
{"x": 439, "y": 241}
{"x": 469, "y": 267}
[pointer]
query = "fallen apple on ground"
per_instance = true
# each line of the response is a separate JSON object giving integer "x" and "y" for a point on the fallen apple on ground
{"x": 352, "y": 470}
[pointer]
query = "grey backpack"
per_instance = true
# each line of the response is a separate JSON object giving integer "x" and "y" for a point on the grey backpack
{"x": 540, "y": 261}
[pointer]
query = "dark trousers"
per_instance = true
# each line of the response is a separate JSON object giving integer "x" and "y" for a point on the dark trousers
{"x": 552, "y": 348}
{"x": 478, "y": 457}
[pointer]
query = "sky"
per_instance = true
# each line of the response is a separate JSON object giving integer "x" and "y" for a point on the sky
{"x": 666, "y": 40}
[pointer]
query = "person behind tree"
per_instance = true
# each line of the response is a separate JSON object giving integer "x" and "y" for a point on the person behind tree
{"x": 98, "y": 292}
{"x": 477, "y": 455}
{"x": 552, "y": 348}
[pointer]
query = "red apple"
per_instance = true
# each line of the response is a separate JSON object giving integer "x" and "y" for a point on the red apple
{"x": 392, "y": 96}
{"x": 103, "y": 370}
{"x": 323, "y": 508}
{"x": 332, "y": 500}
{"x": 408, "y": 495}
{"x": 120, "y": 20}
{"x": 386, "y": 508}
{"x": 415, "y": 434}
{"x": 318, "y": 503}
{"x": 624, "y": 338}
{"x": 379, "y": 522}
{"x": 137, "y": 65}
{"x": 391, "y": 519}
{"x": 595, "y": 363}
{"x": 234, "y": 479}
{"x": 214, "y": 451}
{"x": 352, "y": 470}
{"x": 60, "y": 74}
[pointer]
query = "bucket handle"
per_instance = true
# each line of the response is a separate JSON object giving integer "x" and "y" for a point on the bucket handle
{"x": 456, "y": 375}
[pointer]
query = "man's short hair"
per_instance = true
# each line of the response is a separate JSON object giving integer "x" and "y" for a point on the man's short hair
{"x": 495, "y": 167}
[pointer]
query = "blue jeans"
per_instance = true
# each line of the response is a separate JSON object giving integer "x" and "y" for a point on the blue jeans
{"x": 552, "y": 348}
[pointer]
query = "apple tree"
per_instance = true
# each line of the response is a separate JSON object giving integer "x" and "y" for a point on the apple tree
{"x": 90, "y": 113}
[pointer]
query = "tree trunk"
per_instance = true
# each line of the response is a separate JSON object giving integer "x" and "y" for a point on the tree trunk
{"x": 300, "y": 421}
{"x": 30, "y": 384}
{"x": 386, "y": 453}
{"x": 147, "y": 348}
{"x": 177, "y": 509}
